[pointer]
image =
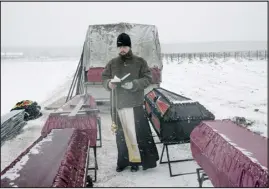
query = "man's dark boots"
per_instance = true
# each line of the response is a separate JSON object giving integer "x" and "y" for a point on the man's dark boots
{"x": 134, "y": 168}
{"x": 120, "y": 169}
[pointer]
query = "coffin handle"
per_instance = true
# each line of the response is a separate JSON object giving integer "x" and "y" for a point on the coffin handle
{"x": 257, "y": 184}
{"x": 241, "y": 178}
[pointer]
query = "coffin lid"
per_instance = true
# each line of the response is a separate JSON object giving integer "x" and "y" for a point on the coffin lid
{"x": 179, "y": 107}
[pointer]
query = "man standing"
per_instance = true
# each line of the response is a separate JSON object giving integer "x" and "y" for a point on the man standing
{"x": 135, "y": 143}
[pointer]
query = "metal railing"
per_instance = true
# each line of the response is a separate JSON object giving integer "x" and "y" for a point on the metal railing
{"x": 78, "y": 80}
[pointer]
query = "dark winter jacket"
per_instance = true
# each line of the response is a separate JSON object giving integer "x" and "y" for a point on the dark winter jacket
{"x": 140, "y": 75}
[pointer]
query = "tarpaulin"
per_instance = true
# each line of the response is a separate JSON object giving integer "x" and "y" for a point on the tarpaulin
{"x": 100, "y": 44}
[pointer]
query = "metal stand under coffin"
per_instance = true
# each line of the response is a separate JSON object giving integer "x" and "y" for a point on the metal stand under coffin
{"x": 173, "y": 118}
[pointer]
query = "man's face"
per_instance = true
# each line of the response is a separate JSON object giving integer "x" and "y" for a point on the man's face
{"x": 123, "y": 50}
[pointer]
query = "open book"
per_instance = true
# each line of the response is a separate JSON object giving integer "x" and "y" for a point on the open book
{"x": 116, "y": 80}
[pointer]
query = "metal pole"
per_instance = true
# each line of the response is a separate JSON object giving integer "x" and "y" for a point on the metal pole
{"x": 114, "y": 115}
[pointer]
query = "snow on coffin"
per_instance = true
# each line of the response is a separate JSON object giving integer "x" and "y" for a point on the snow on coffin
{"x": 56, "y": 160}
{"x": 174, "y": 116}
{"x": 231, "y": 155}
{"x": 86, "y": 119}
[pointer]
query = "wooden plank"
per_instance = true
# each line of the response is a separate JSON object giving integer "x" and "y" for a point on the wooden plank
{"x": 56, "y": 104}
{"x": 75, "y": 100}
{"x": 83, "y": 106}
{"x": 103, "y": 100}
{"x": 92, "y": 83}
{"x": 77, "y": 108}
{"x": 79, "y": 112}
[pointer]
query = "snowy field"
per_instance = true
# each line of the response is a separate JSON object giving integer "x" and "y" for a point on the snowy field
{"x": 32, "y": 80}
{"x": 227, "y": 88}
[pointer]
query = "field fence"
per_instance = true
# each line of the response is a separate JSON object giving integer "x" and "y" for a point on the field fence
{"x": 249, "y": 55}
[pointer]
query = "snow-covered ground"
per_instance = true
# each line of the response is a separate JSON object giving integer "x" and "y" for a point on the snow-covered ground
{"x": 227, "y": 88}
{"x": 28, "y": 80}
{"x": 32, "y": 80}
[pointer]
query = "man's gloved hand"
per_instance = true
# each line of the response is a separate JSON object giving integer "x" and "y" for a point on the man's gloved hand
{"x": 127, "y": 85}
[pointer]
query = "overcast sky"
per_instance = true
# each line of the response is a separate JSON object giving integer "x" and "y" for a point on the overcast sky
{"x": 66, "y": 23}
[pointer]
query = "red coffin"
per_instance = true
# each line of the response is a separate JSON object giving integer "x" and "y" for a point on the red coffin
{"x": 231, "y": 155}
{"x": 57, "y": 160}
{"x": 80, "y": 121}
{"x": 95, "y": 75}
